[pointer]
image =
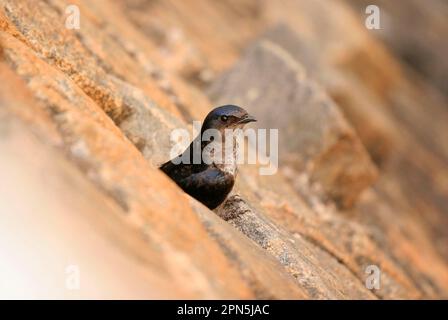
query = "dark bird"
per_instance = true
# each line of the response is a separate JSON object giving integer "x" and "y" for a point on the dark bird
{"x": 209, "y": 181}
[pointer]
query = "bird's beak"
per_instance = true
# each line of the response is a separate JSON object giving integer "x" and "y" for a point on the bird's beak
{"x": 246, "y": 119}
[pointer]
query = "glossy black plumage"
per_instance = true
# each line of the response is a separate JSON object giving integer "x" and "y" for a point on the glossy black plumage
{"x": 208, "y": 183}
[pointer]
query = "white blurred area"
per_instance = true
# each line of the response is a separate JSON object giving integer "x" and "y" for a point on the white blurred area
{"x": 52, "y": 221}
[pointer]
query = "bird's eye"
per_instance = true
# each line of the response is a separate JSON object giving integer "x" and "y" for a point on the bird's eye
{"x": 224, "y": 118}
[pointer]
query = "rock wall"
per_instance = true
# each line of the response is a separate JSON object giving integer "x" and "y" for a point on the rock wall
{"x": 85, "y": 120}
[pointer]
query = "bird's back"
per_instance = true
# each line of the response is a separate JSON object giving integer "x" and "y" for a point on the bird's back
{"x": 210, "y": 181}
{"x": 206, "y": 183}
{"x": 178, "y": 171}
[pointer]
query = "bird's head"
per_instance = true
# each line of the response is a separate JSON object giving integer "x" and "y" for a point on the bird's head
{"x": 226, "y": 117}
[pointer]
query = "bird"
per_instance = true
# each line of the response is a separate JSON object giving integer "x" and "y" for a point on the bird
{"x": 207, "y": 179}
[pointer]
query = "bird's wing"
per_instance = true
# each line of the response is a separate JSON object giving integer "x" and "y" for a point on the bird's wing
{"x": 210, "y": 186}
{"x": 168, "y": 167}
{"x": 181, "y": 170}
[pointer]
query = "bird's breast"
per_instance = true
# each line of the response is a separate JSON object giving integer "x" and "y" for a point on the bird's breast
{"x": 228, "y": 160}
